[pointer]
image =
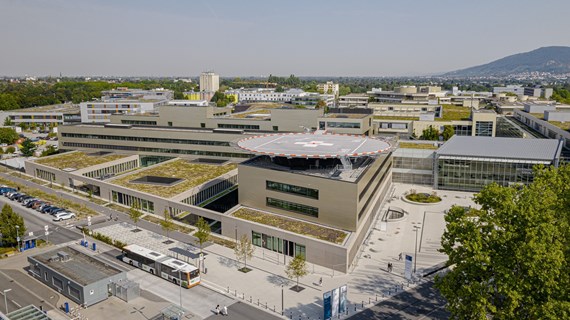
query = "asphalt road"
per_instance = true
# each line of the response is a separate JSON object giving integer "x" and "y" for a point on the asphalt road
{"x": 18, "y": 296}
{"x": 422, "y": 302}
{"x": 35, "y": 222}
{"x": 243, "y": 311}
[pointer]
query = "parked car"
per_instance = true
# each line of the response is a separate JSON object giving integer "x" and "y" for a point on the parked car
{"x": 24, "y": 198}
{"x": 15, "y": 196}
{"x": 28, "y": 200}
{"x": 4, "y": 190}
{"x": 45, "y": 208}
{"x": 64, "y": 215}
{"x": 55, "y": 211}
{"x": 31, "y": 203}
{"x": 38, "y": 205}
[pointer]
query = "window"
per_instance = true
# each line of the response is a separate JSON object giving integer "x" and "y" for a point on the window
{"x": 238, "y": 126}
{"x": 293, "y": 207}
{"x": 288, "y": 188}
{"x": 349, "y": 125}
{"x": 202, "y": 125}
{"x": 169, "y": 123}
{"x": 275, "y": 128}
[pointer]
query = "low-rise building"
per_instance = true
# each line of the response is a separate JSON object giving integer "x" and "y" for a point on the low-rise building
{"x": 137, "y": 94}
{"x": 353, "y": 100}
{"x": 101, "y": 111}
{"x": 544, "y": 122}
{"x": 80, "y": 277}
{"x": 44, "y": 116}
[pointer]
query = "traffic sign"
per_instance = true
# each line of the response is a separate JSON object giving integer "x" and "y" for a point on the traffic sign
{"x": 47, "y": 233}
{"x": 46, "y": 227}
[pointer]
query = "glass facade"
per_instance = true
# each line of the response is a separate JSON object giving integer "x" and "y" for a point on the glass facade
{"x": 128, "y": 200}
{"x": 484, "y": 128}
{"x": 289, "y": 188}
{"x": 292, "y": 206}
{"x": 472, "y": 174}
{"x": 286, "y": 247}
{"x": 413, "y": 166}
{"x": 144, "y": 139}
{"x": 350, "y": 125}
{"x": 238, "y": 126}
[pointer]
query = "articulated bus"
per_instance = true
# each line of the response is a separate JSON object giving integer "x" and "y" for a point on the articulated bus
{"x": 179, "y": 272}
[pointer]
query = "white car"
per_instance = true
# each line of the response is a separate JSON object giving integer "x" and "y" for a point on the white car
{"x": 64, "y": 215}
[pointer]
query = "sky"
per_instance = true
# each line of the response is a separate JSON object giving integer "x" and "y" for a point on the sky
{"x": 258, "y": 38}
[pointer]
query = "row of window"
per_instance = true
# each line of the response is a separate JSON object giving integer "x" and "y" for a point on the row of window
{"x": 139, "y": 122}
{"x": 285, "y": 247}
{"x": 45, "y": 175}
{"x": 128, "y": 200}
{"x": 289, "y": 188}
{"x": 349, "y": 125}
{"x": 238, "y": 126}
{"x": 112, "y": 170}
{"x": 145, "y": 139}
{"x": 292, "y": 206}
{"x": 157, "y": 150}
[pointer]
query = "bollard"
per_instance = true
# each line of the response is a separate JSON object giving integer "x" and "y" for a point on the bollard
{"x": 235, "y": 293}
{"x": 228, "y": 289}
{"x": 376, "y": 297}
{"x": 369, "y": 300}
{"x": 258, "y": 302}
{"x": 249, "y": 299}
{"x": 362, "y": 304}
{"x": 291, "y": 315}
{"x": 243, "y": 296}
{"x": 265, "y": 305}
{"x": 355, "y": 307}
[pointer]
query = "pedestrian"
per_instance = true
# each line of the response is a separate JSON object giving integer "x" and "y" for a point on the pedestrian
{"x": 320, "y": 281}
{"x": 400, "y": 256}
{"x": 225, "y": 311}
{"x": 388, "y": 266}
{"x": 217, "y": 310}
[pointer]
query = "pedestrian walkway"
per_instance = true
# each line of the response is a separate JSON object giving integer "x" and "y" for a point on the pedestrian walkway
{"x": 368, "y": 282}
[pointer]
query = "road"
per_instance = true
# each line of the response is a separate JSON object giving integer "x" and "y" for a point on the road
{"x": 422, "y": 302}
{"x": 35, "y": 222}
{"x": 243, "y": 311}
{"x": 19, "y": 296}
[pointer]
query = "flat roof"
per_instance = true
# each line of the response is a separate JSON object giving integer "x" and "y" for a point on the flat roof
{"x": 504, "y": 148}
{"x": 61, "y": 108}
{"x": 192, "y": 175}
{"x": 310, "y": 145}
{"x": 347, "y": 115}
{"x": 80, "y": 268}
{"x": 75, "y": 160}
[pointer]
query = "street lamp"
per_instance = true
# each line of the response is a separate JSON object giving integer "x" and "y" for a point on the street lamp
{"x": 18, "y": 237}
{"x": 6, "y": 300}
{"x": 416, "y": 229}
{"x": 180, "y": 283}
{"x": 282, "y": 302}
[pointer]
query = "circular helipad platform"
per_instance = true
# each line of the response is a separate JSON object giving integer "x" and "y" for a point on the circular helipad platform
{"x": 309, "y": 145}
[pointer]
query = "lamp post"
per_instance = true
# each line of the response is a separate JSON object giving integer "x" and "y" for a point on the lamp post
{"x": 282, "y": 301}
{"x": 6, "y": 300}
{"x": 180, "y": 283}
{"x": 18, "y": 237}
{"x": 416, "y": 229}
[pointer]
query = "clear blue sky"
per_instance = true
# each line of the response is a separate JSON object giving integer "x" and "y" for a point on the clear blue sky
{"x": 238, "y": 38}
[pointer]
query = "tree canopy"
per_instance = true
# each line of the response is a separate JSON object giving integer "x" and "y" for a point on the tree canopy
{"x": 510, "y": 259}
{"x": 448, "y": 132}
{"x": 135, "y": 213}
{"x": 10, "y": 220}
{"x": 430, "y": 133}
{"x": 8, "y": 135}
{"x": 28, "y": 148}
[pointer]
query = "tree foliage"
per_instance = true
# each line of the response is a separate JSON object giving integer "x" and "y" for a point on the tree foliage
{"x": 511, "y": 257}
{"x": 135, "y": 213}
{"x": 8, "y": 135}
{"x": 448, "y": 132}
{"x": 167, "y": 224}
{"x": 561, "y": 95}
{"x": 203, "y": 232}
{"x": 297, "y": 268}
{"x": 10, "y": 220}
{"x": 10, "y": 149}
{"x": 244, "y": 249}
{"x": 50, "y": 150}
{"x": 430, "y": 133}
{"x": 28, "y": 148}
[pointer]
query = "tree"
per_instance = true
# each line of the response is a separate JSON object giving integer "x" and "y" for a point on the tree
{"x": 511, "y": 257}
{"x": 297, "y": 268}
{"x": 8, "y": 102}
{"x": 448, "y": 132}
{"x": 321, "y": 104}
{"x": 167, "y": 224}
{"x": 244, "y": 250}
{"x": 10, "y": 149}
{"x": 430, "y": 133}
{"x": 8, "y": 121}
{"x": 8, "y": 135}
{"x": 23, "y": 125}
{"x": 28, "y": 148}
{"x": 135, "y": 213}
{"x": 203, "y": 233}
{"x": 10, "y": 220}
{"x": 49, "y": 151}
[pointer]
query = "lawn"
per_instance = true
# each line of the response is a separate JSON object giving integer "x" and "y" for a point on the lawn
{"x": 411, "y": 145}
{"x": 76, "y": 160}
{"x": 192, "y": 175}
{"x": 451, "y": 112}
{"x": 561, "y": 125}
{"x": 423, "y": 197}
{"x": 300, "y": 227}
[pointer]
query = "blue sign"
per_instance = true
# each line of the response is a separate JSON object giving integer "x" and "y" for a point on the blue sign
{"x": 408, "y": 267}
{"x": 327, "y": 305}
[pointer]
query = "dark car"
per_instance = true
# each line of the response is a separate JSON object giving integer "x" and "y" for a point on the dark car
{"x": 44, "y": 209}
{"x": 15, "y": 195}
{"x": 37, "y": 204}
{"x": 5, "y": 190}
{"x": 58, "y": 210}
{"x": 23, "y": 198}
{"x": 52, "y": 209}
{"x": 30, "y": 204}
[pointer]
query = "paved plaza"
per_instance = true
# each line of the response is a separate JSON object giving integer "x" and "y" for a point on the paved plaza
{"x": 367, "y": 282}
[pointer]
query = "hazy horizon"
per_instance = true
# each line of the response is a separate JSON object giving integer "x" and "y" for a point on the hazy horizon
{"x": 257, "y": 38}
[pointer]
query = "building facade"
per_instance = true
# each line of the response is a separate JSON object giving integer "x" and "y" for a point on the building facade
{"x": 209, "y": 81}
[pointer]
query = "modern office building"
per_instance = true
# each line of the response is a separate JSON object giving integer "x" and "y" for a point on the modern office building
{"x": 537, "y": 92}
{"x": 516, "y": 89}
{"x": 80, "y": 277}
{"x": 137, "y": 94}
{"x": 209, "y": 81}
{"x": 550, "y": 121}
{"x": 406, "y": 94}
{"x": 101, "y": 111}
{"x": 44, "y": 116}
{"x": 470, "y": 163}
{"x": 353, "y": 100}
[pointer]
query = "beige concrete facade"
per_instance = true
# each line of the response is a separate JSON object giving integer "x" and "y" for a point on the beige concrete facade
{"x": 360, "y": 124}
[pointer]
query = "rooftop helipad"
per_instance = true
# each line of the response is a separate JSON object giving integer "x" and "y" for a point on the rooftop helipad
{"x": 310, "y": 145}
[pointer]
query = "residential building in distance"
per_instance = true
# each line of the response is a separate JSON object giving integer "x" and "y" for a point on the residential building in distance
{"x": 536, "y": 92}
{"x": 209, "y": 81}
{"x": 516, "y": 89}
{"x": 329, "y": 87}
{"x": 44, "y": 116}
{"x": 407, "y": 94}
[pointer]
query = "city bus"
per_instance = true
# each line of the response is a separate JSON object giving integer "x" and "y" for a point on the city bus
{"x": 170, "y": 269}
